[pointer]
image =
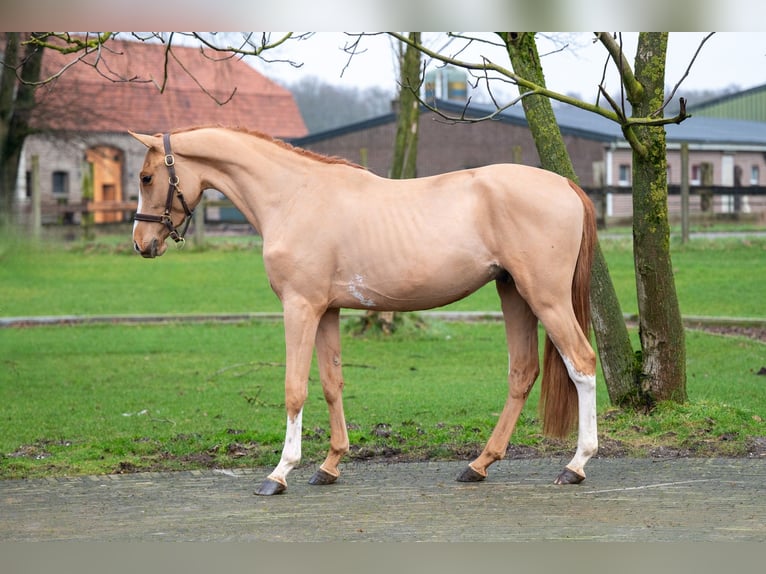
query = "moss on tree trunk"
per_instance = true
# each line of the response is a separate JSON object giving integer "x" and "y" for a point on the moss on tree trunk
{"x": 663, "y": 369}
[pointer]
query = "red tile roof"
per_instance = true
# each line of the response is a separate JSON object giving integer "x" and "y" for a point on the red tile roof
{"x": 94, "y": 99}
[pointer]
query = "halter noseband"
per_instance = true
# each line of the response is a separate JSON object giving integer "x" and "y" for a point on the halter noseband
{"x": 173, "y": 189}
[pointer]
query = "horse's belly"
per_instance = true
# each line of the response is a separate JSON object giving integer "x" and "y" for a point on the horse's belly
{"x": 411, "y": 291}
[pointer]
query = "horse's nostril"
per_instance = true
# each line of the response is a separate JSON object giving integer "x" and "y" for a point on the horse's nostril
{"x": 150, "y": 251}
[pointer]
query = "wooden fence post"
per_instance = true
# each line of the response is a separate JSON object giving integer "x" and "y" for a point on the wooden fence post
{"x": 684, "y": 192}
{"x": 86, "y": 220}
{"x": 37, "y": 219}
{"x": 199, "y": 222}
{"x": 706, "y": 194}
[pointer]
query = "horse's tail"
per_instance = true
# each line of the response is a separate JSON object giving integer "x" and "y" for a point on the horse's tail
{"x": 558, "y": 395}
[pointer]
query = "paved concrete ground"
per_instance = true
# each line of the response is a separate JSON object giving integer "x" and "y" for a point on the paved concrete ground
{"x": 621, "y": 500}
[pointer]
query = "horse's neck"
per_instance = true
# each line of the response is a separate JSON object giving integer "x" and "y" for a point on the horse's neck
{"x": 257, "y": 175}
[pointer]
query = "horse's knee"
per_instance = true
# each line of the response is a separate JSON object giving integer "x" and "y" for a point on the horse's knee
{"x": 294, "y": 403}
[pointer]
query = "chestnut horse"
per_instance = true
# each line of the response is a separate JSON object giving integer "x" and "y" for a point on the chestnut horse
{"x": 337, "y": 236}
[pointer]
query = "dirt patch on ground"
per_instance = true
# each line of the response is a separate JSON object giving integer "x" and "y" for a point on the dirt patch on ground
{"x": 757, "y": 333}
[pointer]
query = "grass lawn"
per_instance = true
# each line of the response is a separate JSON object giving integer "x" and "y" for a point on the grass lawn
{"x": 722, "y": 277}
{"x": 118, "y": 398}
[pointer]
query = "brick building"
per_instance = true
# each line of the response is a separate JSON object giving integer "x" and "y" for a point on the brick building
{"x": 447, "y": 146}
{"x": 81, "y": 119}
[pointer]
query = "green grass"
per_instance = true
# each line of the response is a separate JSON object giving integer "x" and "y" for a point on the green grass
{"x": 104, "y": 398}
{"x": 714, "y": 278}
{"x": 722, "y": 277}
{"x": 118, "y": 398}
{"x": 90, "y": 280}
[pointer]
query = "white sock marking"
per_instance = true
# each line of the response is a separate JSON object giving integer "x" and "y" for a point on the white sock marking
{"x": 291, "y": 452}
{"x": 587, "y": 427}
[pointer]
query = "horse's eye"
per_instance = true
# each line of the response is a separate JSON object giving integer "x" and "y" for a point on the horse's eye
{"x": 146, "y": 179}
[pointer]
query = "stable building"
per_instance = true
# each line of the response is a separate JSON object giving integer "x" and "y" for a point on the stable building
{"x": 82, "y": 117}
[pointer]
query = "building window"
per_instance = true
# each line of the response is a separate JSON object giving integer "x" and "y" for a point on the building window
{"x": 624, "y": 174}
{"x": 60, "y": 183}
{"x": 755, "y": 175}
{"x": 696, "y": 175}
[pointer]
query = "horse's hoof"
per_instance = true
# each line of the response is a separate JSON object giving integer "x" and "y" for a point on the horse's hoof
{"x": 568, "y": 476}
{"x": 322, "y": 477}
{"x": 269, "y": 487}
{"x": 470, "y": 475}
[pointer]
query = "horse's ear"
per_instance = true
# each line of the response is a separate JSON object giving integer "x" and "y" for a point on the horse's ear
{"x": 148, "y": 141}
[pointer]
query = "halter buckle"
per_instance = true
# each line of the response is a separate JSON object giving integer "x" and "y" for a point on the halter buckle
{"x": 170, "y": 161}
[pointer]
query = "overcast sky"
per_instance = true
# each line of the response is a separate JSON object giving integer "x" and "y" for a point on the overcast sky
{"x": 727, "y": 59}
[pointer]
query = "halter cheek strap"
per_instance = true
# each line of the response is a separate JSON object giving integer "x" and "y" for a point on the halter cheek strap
{"x": 174, "y": 189}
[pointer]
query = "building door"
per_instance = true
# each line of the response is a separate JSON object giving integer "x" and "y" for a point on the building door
{"x": 107, "y": 164}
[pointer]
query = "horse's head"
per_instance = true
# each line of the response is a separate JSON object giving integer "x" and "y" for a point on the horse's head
{"x": 162, "y": 207}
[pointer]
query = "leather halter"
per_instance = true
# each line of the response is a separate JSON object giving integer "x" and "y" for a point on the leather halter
{"x": 173, "y": 190}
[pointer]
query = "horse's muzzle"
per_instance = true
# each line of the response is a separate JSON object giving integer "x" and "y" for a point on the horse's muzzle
{"x": 151, "y": 251}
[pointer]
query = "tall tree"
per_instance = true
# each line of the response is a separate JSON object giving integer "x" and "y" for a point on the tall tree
{"x": 21, "y": 69}
{"x": 661, "y": 330}
{"x": 404, "y": 164}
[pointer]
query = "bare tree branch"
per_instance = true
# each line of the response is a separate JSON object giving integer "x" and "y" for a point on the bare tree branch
{"x": 486, "y": 66}
{"x": 618, "y": 56}
{"x": 252, "y": 47}
{"x": 686, "y": 73}
{"x": 70, "y": 44}
{"x": 464, "y": 117}
{"x": 89, "y": 50}
{"x": 201, "y": 87}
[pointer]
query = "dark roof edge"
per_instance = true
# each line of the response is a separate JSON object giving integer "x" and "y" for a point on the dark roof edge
{"x": 343, "y": 130}
{"x": 455, "y": 109}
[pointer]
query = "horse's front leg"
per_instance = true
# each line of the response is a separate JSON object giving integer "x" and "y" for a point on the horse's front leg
{"x": 300, "y": 330}
{"x": 328, "y": 357}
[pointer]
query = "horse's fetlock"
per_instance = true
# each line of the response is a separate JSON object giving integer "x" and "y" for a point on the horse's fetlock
{"x": 590, "y": 448}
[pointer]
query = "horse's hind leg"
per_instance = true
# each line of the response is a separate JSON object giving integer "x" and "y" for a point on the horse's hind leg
{"x": 523, "y": 368}
{"x": 328, "y": 357}
{"x": 580, "y": 362}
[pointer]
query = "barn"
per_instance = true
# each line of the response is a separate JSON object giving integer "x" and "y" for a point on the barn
{"x": 82, "y": 116}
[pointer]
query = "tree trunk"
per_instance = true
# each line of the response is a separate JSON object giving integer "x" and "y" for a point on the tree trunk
{"x": 615, "y": 350}
{"x": 7, "y": 95}
{"x": 663, "y": 371}
{"x": 404, "y": 164}
{"x": 17, "y": 101}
